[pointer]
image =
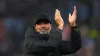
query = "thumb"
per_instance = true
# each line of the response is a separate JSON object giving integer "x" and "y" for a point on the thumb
{"x": 57, "y": 12}
{"x": 69, "y": 14}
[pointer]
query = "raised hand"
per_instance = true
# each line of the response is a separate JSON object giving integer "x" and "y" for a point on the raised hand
{"x": 58, "y": 19}
{"x": 72, "y": 18}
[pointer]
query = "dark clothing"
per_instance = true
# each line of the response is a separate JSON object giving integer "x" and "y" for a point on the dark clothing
{"x": 50, "y": 44}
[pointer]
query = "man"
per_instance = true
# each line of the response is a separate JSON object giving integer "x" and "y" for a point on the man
{"x": 41, "y": 41}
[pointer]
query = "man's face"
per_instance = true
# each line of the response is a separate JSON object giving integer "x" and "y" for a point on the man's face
{"x": 43, "y": 27}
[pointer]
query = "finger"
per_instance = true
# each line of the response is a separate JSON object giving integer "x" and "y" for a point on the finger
{"x": 57, "y": 14}
{"x": 74, "y": 7}
{"x": 69, "y": 14}
{"x": 75, "y": 11}
{"x": 57, "y": 11}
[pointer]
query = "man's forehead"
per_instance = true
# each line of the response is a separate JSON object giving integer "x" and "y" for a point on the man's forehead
{"x": 43, "y": 21}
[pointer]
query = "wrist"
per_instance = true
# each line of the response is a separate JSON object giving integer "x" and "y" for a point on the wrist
{"x": 60, "y": 27}
{"x": 73, "y": 24}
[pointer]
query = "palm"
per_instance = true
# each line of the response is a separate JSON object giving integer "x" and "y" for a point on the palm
{"x": 58, "y": 18}
{"x": 72, "y": 18}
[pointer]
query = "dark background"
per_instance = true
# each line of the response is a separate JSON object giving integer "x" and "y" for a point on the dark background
{"x": 17, "y": 15}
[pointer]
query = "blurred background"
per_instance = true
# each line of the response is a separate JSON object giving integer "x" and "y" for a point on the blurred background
{"x": 17, "y": 15}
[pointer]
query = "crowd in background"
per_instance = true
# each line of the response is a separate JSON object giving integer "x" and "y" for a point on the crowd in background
{"x": 17, "y": 15}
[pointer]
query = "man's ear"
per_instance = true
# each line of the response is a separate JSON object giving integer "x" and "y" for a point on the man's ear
{"x": 34, "y": 26}
{"x": 51, "y": 26}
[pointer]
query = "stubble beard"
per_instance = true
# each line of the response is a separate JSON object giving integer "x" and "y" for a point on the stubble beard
{"x": 44, "y": 31}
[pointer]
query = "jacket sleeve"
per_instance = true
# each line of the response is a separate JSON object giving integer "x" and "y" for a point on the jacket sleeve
{"x": 69, "y": 47}
{"x": 37, "y": 46}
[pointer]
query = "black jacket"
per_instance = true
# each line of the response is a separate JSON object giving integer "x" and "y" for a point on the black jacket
{"x": 51, "y": 44}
